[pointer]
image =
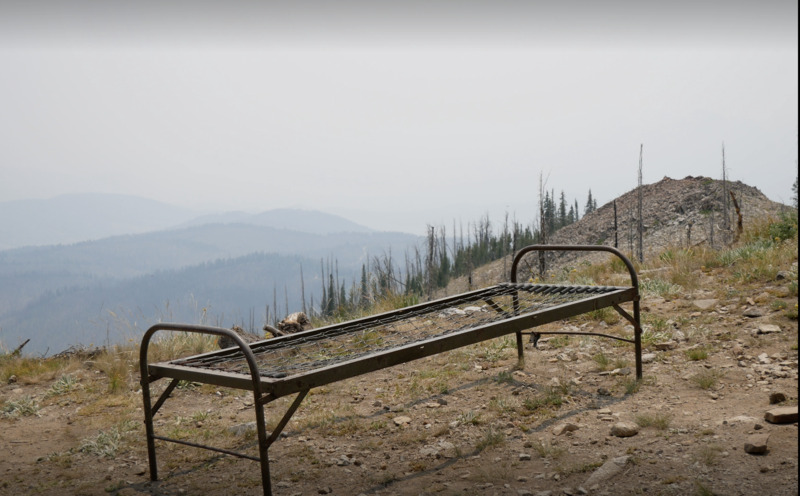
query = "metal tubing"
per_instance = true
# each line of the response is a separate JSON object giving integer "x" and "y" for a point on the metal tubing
{"x": 165, "y": 395}
{"x": 288, "y": 415}
{"x": 527, "y": 249}
{"x": 637, "y": 327}
{"x": 254, "y": 374}
{"x": 581, "y": 333}
{"x": 205, "y": 447}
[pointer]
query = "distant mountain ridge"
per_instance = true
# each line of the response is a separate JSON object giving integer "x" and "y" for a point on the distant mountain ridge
{"x": 73, "y": 218}
{"x": 307, "y": 221}
{"x": 233, "y": 265}
{"x": 69, "y": 219}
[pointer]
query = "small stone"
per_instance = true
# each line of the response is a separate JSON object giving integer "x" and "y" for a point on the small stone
{"x": 776, "y": 398}
{"x": 402, "y": 420}
{"x": 242, "y": 429}
{"x": 783, "y": 274}
{"x": 756, "y": 444}
{"x": 705, "y": 304}
{"x": 603, "y": 391}
{"x": 523, "y": 457}
{"x": 768, "y": 329}
{"x": 666, "y": 345}
{"x": 624, "y": 429}
{"x": 324, "y": 490}
{"x": 12, "y": 379}
{"x": 753, "y": 312}
{"x": 781, "y": 415}
{"x": 648, "y": 357}
{"x": 565, "y": 427}
{"x": 608, "y": 470}
{"x": 139, "y": 470}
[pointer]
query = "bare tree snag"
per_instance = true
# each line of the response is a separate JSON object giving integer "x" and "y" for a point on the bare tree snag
{"x": 739, "y": 225}
{"x": 18, "y": 350}
{"x": 640, "y": 224}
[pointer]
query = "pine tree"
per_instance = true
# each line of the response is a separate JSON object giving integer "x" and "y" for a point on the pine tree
{"x": 794, "y": 192}
{"x": 562, "y": 211}
{"x": 591, "y": 204}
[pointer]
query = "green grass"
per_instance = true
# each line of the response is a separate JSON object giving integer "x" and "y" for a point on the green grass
{"x": 67, "y": 383}
{"x": 545, "y": 449}
{"x": 491, "y": 437}
{"x": 26, "y": 406}
{"x": 696, "y": 354}
{"x": 658, "y": 420}
{"x": 602, "y": 361}
{"x": 470, "y": 418}
{"x": 660, "y": 287}
{"x": 106, "y": 443}
{"x": 706, "y": 379}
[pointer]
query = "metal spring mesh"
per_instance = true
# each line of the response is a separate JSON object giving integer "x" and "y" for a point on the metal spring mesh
{"x": 324, "y": 347}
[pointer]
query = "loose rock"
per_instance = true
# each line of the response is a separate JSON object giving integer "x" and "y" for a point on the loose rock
{"x": 648, "y": 357}
{"x": 768, "y": 329}
{"x": 776, "y": 398}
{"x": 756, "y": 444}
{"x": 705, "y": 304}
{"x": 624, "y": 429}
{"x": 402, "y": 420}
{"x": 562, "y": 428}
{"x": 781, "y": 415}
{"x": 608, "y": 470}
{"x": 753, "y": 312}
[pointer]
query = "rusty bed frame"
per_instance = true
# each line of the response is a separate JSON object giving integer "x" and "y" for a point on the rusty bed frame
{"x": 296, "y": 363}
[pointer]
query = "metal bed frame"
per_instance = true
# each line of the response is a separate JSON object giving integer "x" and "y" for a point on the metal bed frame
{"x": 296, "y": 363}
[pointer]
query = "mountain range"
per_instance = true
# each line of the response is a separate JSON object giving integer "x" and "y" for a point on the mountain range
{"x": 99, "y": 285}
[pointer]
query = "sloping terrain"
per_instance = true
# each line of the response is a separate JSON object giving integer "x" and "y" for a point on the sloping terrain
{"x": 720, "y": 350}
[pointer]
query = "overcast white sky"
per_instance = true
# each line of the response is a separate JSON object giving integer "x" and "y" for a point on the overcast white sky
{"x": 393, "y": 114}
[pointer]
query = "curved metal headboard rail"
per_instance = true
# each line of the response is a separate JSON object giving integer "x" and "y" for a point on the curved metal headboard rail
{"x": 216, "y": 331}
{"x": 619, "y": 254}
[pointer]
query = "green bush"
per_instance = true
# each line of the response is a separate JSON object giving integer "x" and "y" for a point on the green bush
{"x": 785, "y": 228}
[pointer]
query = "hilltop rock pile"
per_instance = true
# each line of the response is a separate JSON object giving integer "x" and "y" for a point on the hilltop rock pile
{"x": 675, "y": 212}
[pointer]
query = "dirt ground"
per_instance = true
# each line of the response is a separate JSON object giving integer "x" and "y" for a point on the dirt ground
{"x": 465, "y": 422}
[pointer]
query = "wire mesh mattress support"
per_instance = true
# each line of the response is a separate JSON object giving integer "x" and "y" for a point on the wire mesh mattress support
{"x": 298, "y": 362}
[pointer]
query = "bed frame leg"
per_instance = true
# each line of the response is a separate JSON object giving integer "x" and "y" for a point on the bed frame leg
{"x": 263, "y": 448}
{"x": 148, "y": 427}
{"x": 637, "y": 339}
{"x": 520, "y": 351}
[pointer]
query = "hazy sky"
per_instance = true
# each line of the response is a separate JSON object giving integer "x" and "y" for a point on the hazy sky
{"x": 394, "y": 114}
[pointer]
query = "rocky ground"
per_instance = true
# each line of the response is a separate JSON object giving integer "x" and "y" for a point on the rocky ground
{"x": 721, "y": 368}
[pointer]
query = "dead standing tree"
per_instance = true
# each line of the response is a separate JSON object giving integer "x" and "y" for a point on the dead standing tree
{"x": 726, "y": 224}
{"x": 542, "y": 228}
{"x": 640, "y": 223}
